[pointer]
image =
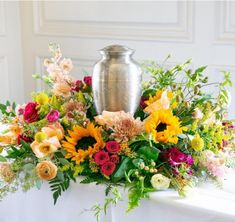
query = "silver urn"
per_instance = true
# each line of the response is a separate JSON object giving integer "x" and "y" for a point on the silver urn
{"x": 116, "y": 81}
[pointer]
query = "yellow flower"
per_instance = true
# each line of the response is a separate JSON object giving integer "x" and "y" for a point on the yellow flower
{"x": 197, "y": 143}
{"x": 164, "y": 126}
{"x": 158, "y": 96}
{"x": 46, "y": 170}
{"x": 160, "y": 101}
{"x": 42, "y": 99}
{"x": 40, "y": 136}
{"x": 83, "y": 142}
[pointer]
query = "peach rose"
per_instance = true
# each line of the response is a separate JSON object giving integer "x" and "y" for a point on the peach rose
{"x": 54, "y": 130}
{"x": 62, "y": 89}
{"x": 46, "y": 170}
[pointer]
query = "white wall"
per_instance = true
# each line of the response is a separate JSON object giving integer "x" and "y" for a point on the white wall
{"x": 11, "y": 71}
{"x": 202, "y": 30}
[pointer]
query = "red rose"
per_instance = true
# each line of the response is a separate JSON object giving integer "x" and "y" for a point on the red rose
{"x": 108, "y": 168}
{"x": 23, "y": 137}
{"x": 101, "y": 157}
{"x": 112, "y": 146}
{"x": 31, "y": 112}
{"x": 142, "y": 102}
{"x": 78, "y": 85}
{"x": 114, "y": 158}
{"x": 88, "y": 80}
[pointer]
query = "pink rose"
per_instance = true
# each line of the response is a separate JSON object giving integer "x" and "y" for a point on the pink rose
{"x": 112, "y": 146}
{"x": 31, "y": 112}
{"x": 108, "y": 168}
{"x": 53, "y": 116}
{"x": 88, "y": 80}
{"x": 114, "y": 158}
{"x": 101, "y": 157}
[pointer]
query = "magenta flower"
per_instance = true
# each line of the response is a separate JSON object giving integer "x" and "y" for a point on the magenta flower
{"x": 88, "y": 80}
{"x": 175, "y": 157}
{"x": 53, "y": 116}
{"x": 31, "y": 112}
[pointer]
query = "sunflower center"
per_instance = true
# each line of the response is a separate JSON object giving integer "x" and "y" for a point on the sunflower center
{"x": 161, "y": 127}
{"x": 85, "y": 142}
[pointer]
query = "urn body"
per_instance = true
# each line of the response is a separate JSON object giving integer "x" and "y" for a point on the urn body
{"x": 116, "y": 82}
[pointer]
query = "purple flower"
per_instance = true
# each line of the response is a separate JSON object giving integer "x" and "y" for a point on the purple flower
{"x": 53, "y": 116}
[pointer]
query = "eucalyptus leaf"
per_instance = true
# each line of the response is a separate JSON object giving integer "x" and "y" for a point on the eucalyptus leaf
{"x": 39, "y": 184}
{"x": 137, "y": 162}
{"x": 60, "y": 175}
{"x": 28, "y": 167}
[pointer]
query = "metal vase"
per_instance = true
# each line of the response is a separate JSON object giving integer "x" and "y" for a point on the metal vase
{"x": 116, "y": 81}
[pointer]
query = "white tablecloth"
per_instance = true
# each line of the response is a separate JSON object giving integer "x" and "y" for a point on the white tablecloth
{"x": 205, "y": 204}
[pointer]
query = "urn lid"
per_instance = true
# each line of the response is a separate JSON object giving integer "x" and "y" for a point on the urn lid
{"x": 116, "y": 50}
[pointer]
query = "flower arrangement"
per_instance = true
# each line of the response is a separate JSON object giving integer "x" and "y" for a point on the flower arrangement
{"x": 178, "y": 136}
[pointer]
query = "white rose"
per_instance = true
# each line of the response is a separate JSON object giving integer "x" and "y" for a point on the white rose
{"x": 160, "y": 182}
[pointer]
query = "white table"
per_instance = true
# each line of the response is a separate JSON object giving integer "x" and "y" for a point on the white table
{"x": 207, "y": 204}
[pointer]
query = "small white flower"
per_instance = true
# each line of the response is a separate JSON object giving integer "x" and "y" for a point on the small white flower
{"x": 160, "y": 182}
{"x": 66, "y": 65}
{"x": 197, "y": 114}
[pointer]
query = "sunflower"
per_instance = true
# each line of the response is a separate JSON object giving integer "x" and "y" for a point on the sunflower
{"x": 164, "y": 126}
{"x": 83, "y": 142}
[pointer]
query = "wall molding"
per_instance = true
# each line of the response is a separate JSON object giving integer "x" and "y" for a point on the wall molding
{"x": 224, "y": 29}
{"x": 2, "y": 19}
{"x": 181, "y": 30}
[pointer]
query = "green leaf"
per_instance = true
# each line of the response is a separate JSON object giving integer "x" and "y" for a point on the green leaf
{"x": 63, "y": 161}
{"x": 3, "y": 159}
{"x": 126, "y": 164}
{"x": 200, "y": 69}
{"x": 150, "y": 153}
